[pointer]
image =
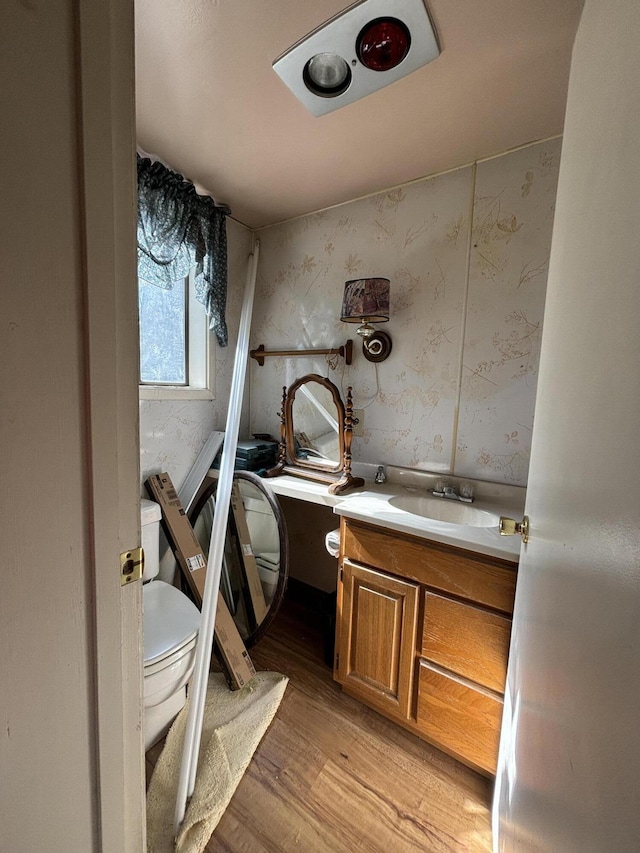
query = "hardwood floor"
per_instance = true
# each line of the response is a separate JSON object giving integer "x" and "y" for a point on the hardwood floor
{"x": 332, "y": 776}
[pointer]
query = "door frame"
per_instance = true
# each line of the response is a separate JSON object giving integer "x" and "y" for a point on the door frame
{"x": 107, "y": 182}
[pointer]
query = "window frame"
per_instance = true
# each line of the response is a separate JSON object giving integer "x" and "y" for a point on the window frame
{"x": 200, "y": 357}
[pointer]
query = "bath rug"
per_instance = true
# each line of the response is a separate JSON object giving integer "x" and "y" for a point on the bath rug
{"x": 234, "y": 724}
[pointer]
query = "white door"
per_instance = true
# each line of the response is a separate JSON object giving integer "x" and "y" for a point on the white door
{"x": 569, "y": 767}
{"x": 71, "y": 760}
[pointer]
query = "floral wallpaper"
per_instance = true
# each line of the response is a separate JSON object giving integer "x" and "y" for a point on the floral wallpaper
{"x": 417, "y": 236}
{"x": 172, "y": 432}
{"x": 511, "y": 237}
{"x": 467, "y": 254}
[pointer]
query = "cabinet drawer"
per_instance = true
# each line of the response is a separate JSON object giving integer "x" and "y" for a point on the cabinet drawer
{"x": 467, "y": 640}
{"x": 462, "y": 573}
{"x": 462, "y": 719}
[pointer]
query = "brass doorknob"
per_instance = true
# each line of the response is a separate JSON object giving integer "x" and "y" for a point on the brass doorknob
{"x": 509, "y": 527}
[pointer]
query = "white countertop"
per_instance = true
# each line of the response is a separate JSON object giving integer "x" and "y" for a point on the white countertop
{"x": 370, "y": 504}
{"x": 305, "y": 490}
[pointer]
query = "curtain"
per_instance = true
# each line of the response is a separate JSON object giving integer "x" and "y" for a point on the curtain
{"x": 177, "y": 230}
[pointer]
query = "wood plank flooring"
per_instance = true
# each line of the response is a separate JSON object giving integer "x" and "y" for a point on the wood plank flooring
{"x": 332, "y": 776}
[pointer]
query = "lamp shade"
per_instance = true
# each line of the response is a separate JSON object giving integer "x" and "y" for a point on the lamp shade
{"x": 366, "y": 300}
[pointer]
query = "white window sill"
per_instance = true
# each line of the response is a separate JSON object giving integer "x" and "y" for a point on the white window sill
{"x": 167, "y": 392}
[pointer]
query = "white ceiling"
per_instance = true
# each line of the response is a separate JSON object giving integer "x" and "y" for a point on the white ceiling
{"x": 210, "y": 106}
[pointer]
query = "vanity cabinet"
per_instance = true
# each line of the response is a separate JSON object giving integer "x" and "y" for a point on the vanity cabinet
{"x": 423, "y": 635}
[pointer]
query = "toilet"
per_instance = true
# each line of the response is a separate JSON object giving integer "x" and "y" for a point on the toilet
{"x": 171, "y": 622}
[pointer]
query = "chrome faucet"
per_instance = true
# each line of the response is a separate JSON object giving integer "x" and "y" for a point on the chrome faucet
{"x": 444, "y": 490}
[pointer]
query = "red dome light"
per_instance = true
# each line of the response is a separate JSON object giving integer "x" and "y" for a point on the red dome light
{"x": 383, "y": 44}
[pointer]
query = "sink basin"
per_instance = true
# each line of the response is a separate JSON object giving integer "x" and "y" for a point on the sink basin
{"x": 442, "y": 509}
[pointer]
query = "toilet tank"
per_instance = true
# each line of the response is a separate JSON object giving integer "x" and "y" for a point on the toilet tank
{"x": 150, "y": 514}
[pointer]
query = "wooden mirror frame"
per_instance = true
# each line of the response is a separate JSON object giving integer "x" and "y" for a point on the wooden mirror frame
{"x": 339, "y": 478}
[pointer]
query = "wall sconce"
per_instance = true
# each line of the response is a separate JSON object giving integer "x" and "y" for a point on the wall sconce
{"x": 366, "y": 301}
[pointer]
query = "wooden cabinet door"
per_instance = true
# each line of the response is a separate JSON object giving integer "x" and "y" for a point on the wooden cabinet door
{"x": 377, "y": 638}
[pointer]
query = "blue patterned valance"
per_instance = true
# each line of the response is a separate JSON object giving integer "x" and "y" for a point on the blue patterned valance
{"x": 179, "y": 229}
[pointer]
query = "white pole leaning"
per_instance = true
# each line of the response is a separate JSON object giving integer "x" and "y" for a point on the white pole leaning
{"x": 198, "y": 688}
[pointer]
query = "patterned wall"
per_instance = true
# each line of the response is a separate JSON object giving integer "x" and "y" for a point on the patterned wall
{"x": 511, "y": 238}
{"x": 467, "y": 254}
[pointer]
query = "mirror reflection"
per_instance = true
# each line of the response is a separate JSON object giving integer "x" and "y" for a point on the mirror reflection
{"x": 255, "y": 562}
{"x": 316, "y": 429}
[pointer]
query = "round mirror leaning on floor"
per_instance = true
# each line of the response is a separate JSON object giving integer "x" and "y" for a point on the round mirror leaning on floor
{"x": 255, "y": 565}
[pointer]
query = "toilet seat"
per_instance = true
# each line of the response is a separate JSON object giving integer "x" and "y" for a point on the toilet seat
{"x": 171, "y": 623}
{"x": 171, "y": 620}
{"x": 169, "y": 660}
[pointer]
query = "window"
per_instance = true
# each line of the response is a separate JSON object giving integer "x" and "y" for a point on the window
{"x": 175, "y": 352}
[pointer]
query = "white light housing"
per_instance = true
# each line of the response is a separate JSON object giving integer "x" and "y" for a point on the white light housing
{"x": 328, "y": 68}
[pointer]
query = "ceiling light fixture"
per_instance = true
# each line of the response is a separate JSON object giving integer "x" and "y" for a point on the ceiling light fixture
{"x": 357, "y": 52}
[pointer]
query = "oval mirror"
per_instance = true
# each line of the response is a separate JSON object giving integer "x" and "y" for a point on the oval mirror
{"x": 256, "y": 543}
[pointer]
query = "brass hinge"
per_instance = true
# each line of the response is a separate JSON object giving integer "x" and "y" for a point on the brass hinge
{"x": 131, "y": 566}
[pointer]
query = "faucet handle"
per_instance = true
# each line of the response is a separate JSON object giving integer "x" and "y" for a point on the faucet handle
{"x": 467, "y": 492}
